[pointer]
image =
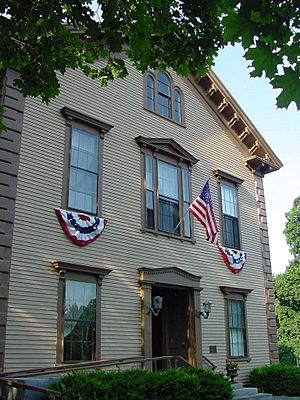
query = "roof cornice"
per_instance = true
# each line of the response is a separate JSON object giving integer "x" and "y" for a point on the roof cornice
{"x": 259, "y": 157}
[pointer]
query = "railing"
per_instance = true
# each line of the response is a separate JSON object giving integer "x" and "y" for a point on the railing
{"x": 172, "y": 361}
{"x": 208, "y": 363}
{"x": 8, "y": 385}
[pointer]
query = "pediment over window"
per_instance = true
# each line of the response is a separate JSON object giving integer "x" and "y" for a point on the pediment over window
{"x": 169, "y": 276}
{"x": 167, "y": 146}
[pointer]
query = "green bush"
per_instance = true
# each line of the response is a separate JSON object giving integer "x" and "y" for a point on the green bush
{"x": 179, "y": 384}
{"x": 286, "y": 354}
{"x": 277, "y": 379}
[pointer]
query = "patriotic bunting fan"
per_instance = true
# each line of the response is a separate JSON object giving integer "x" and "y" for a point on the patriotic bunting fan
{"x": 234, "y": 259}
{"x": 82, "y": 229}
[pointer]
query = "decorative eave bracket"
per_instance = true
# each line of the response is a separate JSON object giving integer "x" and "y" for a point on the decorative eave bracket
{"x": 259, "y": 157}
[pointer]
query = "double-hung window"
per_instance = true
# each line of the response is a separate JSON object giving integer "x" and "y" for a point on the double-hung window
{"x": 236, "y": 322}
{"x": 162, "y": 97}
{"x": 230, "y": 215}
{"x": 167, "y": 184}
{"x": 80, "y": 319}
{"x": 230, "y": 211}
{"x": 84, "y": 149}
{"x": 84, "y": 170}
{"x": 79, "y": 311}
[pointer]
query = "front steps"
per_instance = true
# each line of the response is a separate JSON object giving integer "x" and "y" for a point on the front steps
{"x": 241, "y": 393}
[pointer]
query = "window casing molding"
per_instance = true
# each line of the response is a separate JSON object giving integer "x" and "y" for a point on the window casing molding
{"x": 239, "y": 295}
{"x": 83, "y": 125}
{"x": 230, "y": 221}
{"x": 82, "y": 273}
{"x": 168, "y": 154}
{"x": 153, "y": 97}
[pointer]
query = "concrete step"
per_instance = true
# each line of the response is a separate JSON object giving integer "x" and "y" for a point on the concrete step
{"x": 236, "y": 385}
{"x": 258, "y": 396}
{"x": 241, "y": 393}
{"x": 244, "y": 392}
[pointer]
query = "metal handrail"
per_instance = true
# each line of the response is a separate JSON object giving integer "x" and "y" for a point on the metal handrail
{"x": 62, "y": 368}
{"x": 208, "y": 362}
{"x": 21, "y": 387}
{"x": 8, "y": 383}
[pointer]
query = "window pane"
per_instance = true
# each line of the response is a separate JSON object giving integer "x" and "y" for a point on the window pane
{"x": 167, "y": 180}
{"x": 237, "y": 328}
{"x": 83, "y": 187}
{"x": 231, "y": 232}
{"x": 163, "y": 84}
{"x": 177, "y": 105}
{"x": 80, "y": 343}
{"x": 168, "y": 197}
{"x": 229, "y": 200}
{"x": 185, "y": 184}
{"x": 168, "y": 215}
{"x": 84, "y": 150}
{"x": 164, "y": 105}
{"x": 79, "y": 321}
{"x": 150, "y": 209}
{"x": 150, "y": 93}
{"x": 163, "y": 95}
{"x": 149, "y": 172}
{"x": 83, "y": 181}
{"x": 187, "y": 220}
{"x": 186, "y": 201}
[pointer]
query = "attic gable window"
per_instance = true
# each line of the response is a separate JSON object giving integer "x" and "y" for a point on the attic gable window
{"x": 162, "y": 97}
{"x": 166, "y": 191}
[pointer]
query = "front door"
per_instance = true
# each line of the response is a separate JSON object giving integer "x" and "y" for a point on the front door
{"x": 170, "y": 327}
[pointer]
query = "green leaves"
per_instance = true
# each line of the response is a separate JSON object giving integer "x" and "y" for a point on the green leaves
{"x": 269, "y": 33}
{"x": 263, "y": 60}
{"x": 287, "y": 287}
{"x": 292, "y": 228}
{"x": 289, "y": 82}
{"x": 42, "y": 38}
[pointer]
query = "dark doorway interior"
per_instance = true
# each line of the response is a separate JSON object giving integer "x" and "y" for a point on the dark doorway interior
{"x": 170, "y": 327}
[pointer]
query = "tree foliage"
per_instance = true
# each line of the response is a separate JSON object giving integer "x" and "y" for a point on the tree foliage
{"x": 287, "y": 293}
{"x": 292, "y": 228}
{"x": 43, "y": 37}
{"x": 287, "y": 288}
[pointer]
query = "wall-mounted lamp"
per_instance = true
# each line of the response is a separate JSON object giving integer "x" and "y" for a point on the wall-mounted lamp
{"x": 206, "y": 310}
{"x": 157, "y": 305}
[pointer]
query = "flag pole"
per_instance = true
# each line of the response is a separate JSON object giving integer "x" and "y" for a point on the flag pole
{"x": 180, "y": 221}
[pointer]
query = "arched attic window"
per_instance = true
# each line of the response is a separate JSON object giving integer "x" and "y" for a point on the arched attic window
{"x": 162, "y": 97}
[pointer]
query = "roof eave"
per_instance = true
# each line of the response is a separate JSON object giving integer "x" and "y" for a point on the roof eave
{"x": 252, "y": 143}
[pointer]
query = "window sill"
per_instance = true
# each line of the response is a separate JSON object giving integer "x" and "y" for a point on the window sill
{"x": 166, "y": 118}
{"x": 168, "y": 235}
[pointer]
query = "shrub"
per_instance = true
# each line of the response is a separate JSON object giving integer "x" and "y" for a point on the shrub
{"x": 277, "y": 379}
{"x": 286, "y": 354}
{"x": 179, "y": 384}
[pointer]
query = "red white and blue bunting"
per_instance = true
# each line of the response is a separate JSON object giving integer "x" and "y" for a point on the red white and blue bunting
{"x": 234, "y": 259}
{"x": 81, "y": 228}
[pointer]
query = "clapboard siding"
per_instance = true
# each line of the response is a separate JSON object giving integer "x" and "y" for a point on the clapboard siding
{"x": 38, "y": 238}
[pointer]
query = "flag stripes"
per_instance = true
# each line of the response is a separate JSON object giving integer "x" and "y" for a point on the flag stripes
{"x": 202, "y": 210}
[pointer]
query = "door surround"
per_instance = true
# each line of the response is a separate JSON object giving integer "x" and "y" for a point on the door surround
{"x": 173, "y": 277}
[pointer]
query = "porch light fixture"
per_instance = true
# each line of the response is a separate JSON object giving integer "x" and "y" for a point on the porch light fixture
{"x": 157, "y": 305}
{"x": 206, "y": 310}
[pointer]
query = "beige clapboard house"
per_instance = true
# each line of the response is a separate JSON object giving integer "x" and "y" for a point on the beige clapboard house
{"x": 136, "y": 153}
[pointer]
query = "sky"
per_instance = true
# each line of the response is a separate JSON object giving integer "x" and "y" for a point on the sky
{"x": 281, "y": 129}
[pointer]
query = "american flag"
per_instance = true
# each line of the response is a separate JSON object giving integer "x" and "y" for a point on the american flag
{"x": 202, "y": 210}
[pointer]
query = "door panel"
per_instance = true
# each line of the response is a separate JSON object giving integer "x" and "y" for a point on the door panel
{"x": 169, "y": 328}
